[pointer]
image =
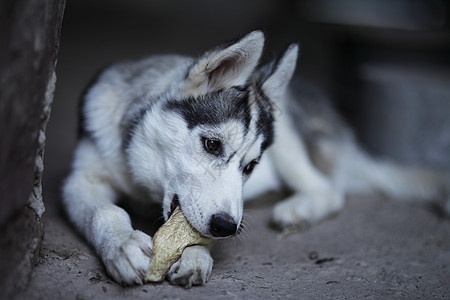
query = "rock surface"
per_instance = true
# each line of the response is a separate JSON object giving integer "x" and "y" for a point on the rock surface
{"x": 29, "y": 39}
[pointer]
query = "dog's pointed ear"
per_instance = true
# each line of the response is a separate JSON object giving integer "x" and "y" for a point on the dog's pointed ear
{"x": 227, "y": 67}
{"x": 274, "y": 85}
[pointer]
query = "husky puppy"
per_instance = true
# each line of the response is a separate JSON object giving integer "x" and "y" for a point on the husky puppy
{"x": 189, "y": 132}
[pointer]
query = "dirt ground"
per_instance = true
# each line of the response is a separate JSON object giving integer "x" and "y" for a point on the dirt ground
{"x": 374, "y": 249}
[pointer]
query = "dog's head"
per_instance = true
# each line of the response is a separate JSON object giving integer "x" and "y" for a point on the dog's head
{"x": 205, "y": 139}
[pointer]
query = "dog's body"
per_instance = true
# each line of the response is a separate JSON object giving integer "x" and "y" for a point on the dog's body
{"x": 188, "y": 132}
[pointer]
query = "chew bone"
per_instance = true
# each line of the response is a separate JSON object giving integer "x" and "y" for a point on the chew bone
{"x": 169, "y": 242}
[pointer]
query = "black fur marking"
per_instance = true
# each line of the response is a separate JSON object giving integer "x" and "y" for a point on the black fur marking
{"x": 213, "y": 108}
{"x": 264, "y": 124}
{"x": 130, "y": 125}
{"x": 231, "y": 156}
{"x": 266, "y": 107}
{"x": 173, "y": 205}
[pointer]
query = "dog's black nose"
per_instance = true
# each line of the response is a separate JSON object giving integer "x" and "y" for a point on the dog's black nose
{"x": 222, "y": 225}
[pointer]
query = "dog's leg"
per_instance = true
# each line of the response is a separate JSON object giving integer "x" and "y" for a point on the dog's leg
{"x": 315, "y": 196}
{"x": 89, "y": 201}
{"x": 193, "y": 268}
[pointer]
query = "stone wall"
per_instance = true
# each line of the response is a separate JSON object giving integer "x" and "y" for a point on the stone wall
{"x": 29, "y": 41}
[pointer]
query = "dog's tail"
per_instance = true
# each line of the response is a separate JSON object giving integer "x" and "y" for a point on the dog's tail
{"x": 359, "y": 172}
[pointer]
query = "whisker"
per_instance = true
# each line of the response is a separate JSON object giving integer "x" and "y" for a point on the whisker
{"x": 248, "y": 229}
{"x": 244, "y": 232}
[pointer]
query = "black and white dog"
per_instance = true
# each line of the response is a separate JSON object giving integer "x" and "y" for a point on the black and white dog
{"x": 189, "y": 132}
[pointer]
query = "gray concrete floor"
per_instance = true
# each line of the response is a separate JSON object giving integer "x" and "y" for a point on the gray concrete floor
{"x": 374, "y": 248}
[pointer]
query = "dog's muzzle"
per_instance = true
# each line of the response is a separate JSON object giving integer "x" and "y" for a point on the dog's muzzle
{"x": 222, "y": 225}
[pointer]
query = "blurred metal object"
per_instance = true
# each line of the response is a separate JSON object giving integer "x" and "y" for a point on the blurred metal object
{"x": 398, "y": 14}
{"x": 405, "y": 112}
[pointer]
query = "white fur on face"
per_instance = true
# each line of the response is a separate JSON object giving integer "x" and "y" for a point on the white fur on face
{"x": 167, "y": 156}
{"x": 174, "y": 156}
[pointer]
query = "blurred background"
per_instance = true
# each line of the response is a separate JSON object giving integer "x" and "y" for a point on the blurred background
{"x": 384, "y": 63}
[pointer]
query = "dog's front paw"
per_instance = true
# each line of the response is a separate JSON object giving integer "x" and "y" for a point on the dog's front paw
{"x": 128, "y": 262}
{"x": 302, "y": 209}
{"x": 290, "y": 213}
{"x": 193, "y": 268}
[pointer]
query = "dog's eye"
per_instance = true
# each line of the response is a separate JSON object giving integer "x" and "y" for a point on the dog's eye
{"x": 213, "y": 146}
{"x": 248, "y": 169}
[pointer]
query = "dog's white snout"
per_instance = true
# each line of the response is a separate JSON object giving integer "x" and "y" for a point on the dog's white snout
{"x": 222, "y": 225}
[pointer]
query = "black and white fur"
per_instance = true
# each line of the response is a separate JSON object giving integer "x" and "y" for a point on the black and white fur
{"x": 188, "y": 132}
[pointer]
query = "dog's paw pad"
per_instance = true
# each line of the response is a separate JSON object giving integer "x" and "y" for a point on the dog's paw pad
{"x": 193, "y": 268}
{"x": 128, "y": 262}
